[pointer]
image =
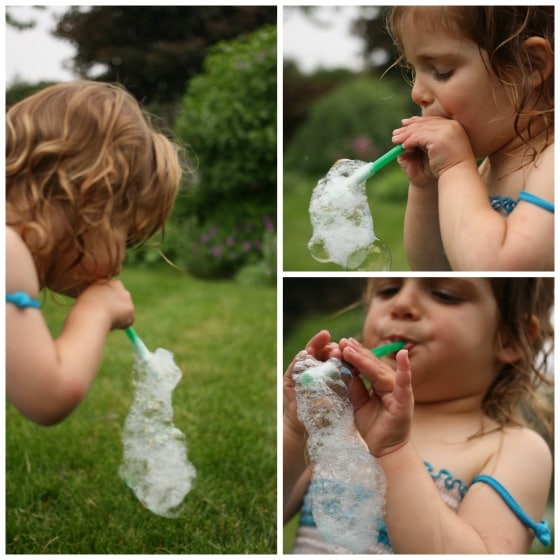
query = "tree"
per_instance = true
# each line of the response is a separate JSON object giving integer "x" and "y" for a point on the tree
{"x": 152, "y": 50}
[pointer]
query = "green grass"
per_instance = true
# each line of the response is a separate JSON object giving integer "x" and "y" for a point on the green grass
{"x": 63, "y": 492}
{"x": 388, "y": 220}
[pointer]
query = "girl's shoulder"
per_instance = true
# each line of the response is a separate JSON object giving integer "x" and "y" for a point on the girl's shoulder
{"x": 21, "y": 273}
{"x": 523, "y": 446}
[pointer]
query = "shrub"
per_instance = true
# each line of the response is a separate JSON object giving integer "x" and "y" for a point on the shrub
{"x": 355, "y": 121}
{"x": 228, "y": 120}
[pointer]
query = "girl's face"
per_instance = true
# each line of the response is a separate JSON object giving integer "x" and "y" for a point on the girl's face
{"x": 450, "y": 325}
{"x": 452, "y": 79}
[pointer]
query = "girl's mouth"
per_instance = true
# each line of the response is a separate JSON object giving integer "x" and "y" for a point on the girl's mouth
{"x": 409, "y": 344}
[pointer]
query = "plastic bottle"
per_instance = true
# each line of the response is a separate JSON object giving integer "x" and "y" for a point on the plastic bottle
{"x": 348, "y": 485}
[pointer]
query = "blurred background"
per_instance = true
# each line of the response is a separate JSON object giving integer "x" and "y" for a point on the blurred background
{"x": 341, "y": 99}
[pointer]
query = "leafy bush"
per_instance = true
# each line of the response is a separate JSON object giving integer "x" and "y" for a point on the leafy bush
{"x": 355, "y": 121}
{"x": 228, "y": 120}
{"x": 219, "y": 248}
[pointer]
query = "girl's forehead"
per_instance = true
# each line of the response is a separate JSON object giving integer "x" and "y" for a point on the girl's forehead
{"x": 442, "y": 19}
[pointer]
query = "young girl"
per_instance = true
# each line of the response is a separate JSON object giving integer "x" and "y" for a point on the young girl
{"x": 86, "y": 177}
{"x": 443, "y": 416}
{"x": 483, "y": 78}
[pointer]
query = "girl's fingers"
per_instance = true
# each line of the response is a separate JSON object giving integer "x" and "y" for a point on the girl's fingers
{"x": 381, "y": 376}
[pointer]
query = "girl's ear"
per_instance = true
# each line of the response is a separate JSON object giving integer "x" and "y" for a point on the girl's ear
{"x": 540, "y": 59}
{"x": 509, "y": 348}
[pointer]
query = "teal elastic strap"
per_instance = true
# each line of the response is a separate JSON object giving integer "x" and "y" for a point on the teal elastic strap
{"x": 536, "y": 200}
{"x": 22, "y": 300}
{"x": 541, "y": 530}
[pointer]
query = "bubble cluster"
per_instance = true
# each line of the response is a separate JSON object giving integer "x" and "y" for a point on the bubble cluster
{"x": 342, "y": 222}
{"x": 348, "y": 486}
{"x": 155, "y": 464}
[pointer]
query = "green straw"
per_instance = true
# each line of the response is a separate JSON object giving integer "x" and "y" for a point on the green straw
{"x": 379, "y": 352}
{"x": 366, "y": 171}
{"x": 382, "y": 161}
{"x": 386, "y": 349}
{"x": 139, "y": 347}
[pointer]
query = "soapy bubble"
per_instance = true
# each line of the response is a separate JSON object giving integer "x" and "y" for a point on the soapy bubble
{"x": 348, "y": 486}
{"x": 342, "y": 221}
{"x": 155, "y": 464}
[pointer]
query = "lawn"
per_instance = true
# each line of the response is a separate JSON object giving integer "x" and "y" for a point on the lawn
{"x": 388, "y": 220}
{"x": 63, "y": 492}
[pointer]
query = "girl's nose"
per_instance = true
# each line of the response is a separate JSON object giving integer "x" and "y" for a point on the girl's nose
{"x": 406, "y": 304}
{"x": 420, "y": 94}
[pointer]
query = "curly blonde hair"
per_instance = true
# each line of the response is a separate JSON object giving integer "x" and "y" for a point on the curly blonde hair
{"x": 88, "y": 149}
{"x": 500, "y": 31}
{"x": 524, "y": 320}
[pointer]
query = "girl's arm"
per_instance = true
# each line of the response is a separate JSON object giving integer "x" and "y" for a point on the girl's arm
{"x": 422, "y": 236}
{"x": 475, "y": 237}
{"x": 478, "y": 238}
{"x": 45, "y": 378}
{"x": 418, "y": 520}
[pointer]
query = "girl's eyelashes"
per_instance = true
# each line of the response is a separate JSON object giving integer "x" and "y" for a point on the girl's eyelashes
{"x": 442, "y": 76}
{"x": 446, "y": 297}
{"x": 387, "y": 290}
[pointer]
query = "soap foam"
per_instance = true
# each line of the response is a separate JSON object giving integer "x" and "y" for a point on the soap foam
{"x": 155, "y": 464}
{"x": 342, "y": 222}
{"x": 348, "y": 486}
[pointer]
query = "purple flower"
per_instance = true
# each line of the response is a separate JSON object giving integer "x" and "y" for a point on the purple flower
{"x": 268, "y": 224}
{"x": 212, "y": 232}
{"x": 216, "y": 251}
{"x": 246, "y": 245}
{"x": 230, "y": 241}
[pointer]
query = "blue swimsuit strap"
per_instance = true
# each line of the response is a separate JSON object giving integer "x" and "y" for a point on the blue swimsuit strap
{"x": 22, "y": 300}
{"x": 541, "y": 530}
{"x": 536, "y": 200}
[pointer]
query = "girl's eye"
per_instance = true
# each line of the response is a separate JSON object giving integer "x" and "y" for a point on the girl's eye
{"x": 442, "y": 76}
{"x": 387, "y": 291}
{"x": 446, "y": 297}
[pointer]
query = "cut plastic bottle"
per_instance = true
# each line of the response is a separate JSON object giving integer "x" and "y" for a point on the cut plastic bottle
{"x": 348, "y": 486}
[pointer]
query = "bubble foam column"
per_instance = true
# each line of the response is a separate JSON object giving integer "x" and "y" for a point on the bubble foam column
{"x": 348, "y": 485}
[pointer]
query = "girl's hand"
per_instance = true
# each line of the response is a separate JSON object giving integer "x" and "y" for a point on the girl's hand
{"x": 321, "y": 348}
{"x": 111, "y": 297}
{"x": 383, "y": 415}
{"x": 433, "y": 145}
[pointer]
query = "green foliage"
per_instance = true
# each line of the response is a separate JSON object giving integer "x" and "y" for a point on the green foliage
{"x": 299, "y": 91}
{"x": 63, "y": 491}
{"x": 228, "y": 119}
{"x": 355, "y": 121}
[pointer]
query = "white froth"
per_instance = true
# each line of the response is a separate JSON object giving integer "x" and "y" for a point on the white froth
{"x": 348, "y": 485}
{"x": 342, "y": 222}
{"x": 155, "y": 464}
